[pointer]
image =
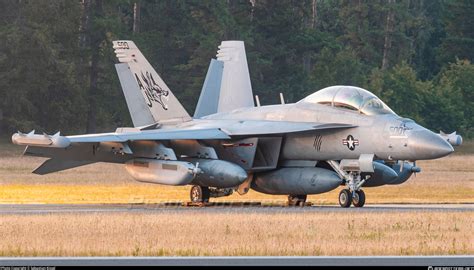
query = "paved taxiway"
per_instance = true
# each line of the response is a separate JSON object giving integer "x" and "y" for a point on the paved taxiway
{"x": 131, "y": 208}
{"x": 244, "y": 261}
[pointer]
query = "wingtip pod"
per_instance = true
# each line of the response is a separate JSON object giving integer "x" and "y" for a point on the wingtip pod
{"x": 454, "y": 139}
{"x": 42, "y": 140}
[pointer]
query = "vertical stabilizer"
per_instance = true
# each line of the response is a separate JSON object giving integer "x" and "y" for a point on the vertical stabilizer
{"x": 148, "y": 97}
{"x": 209, "y": 99}
{"x": 227, "y": 85}
{"x": 139, "y": 110}
{"x": 236, "y": 89}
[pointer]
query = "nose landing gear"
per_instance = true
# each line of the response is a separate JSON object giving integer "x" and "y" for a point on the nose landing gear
{"x": 346, "y": 197}
{"x": 358, "y": 199}
{"x": 353, "y": 180}
{"x": 353, "y": 193}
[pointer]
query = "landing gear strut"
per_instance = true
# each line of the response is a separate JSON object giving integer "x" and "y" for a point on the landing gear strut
{"x": 199, "y": 194}
{"x": 352, "y": 194}
{"x": 354, "y": 185}
{"x": 296, "y": 200}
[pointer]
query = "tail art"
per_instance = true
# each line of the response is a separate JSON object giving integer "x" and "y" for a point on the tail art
{"x": 148, "y": 98}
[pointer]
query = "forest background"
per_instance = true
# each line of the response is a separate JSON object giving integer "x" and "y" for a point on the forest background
{"x": 57, "y": 62}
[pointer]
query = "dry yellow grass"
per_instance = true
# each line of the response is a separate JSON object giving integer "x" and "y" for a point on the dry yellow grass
{"x": 198, "y": 233}
{"x": 195, "y": 233}
{"x": 447, "y": 180}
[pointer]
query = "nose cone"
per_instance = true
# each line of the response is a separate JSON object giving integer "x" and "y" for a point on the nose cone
{"x": 427, "y": 145}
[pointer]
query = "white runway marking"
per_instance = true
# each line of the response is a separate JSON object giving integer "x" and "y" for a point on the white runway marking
{"x": 150, "y": 208}
{"x": 244, "y": 261}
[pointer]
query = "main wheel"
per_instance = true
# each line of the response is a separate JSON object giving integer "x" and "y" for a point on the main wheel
{"x": 345, "y": 198}
{"x": 199, "y": 194}
{"x": 359, "y": 199}
{"x": 296, "y": 200}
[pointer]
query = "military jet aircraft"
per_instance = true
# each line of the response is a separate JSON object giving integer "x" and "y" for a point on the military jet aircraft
{"x": 337, "y": 136}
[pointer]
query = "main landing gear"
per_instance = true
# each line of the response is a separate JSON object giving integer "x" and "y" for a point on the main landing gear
{"x": 346, "y": 197}
{"x": 296, "y": 200}
{"x": 200, "y": 194}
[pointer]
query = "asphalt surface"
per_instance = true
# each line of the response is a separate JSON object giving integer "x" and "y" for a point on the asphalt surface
{"x": 244, "y": 261}
{"x": 220, "y": 207}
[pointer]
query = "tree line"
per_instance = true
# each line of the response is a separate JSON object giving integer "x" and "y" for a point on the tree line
{"x": 57, "y": 62}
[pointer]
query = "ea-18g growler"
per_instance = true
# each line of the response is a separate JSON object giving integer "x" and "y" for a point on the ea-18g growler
{"x": 338, "y": 136}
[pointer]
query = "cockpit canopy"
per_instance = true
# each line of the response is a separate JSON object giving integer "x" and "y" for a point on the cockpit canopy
{"x": 351, "y": 98}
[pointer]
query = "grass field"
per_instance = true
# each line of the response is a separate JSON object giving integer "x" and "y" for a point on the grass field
{"x": 237, "y": 234}
{"x": 232, "y": 233}
{"x": 446, "y": 180}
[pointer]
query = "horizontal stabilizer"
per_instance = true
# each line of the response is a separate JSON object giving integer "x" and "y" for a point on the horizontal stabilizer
{"x": 56, "y": 165}
{"x": 83, "y": 152}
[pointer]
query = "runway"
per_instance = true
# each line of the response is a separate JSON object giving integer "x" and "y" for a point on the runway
{"x": 27, "y": 209}
{"x": 244, "y": 261}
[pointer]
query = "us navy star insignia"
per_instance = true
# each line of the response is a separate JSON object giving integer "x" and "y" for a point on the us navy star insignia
{"x": 350, "y": 142}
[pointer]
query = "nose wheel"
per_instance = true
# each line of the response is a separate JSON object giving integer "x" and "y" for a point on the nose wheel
{"x": 358, "y": 199}
{"x": 346, "y": 198}
{"x": 199, "y": 194}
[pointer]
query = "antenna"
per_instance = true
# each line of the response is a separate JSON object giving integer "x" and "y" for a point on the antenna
{"x": 282, "y": 99}
{"x": 257, "y": 100}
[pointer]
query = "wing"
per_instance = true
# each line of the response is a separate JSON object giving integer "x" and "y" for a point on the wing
{"x": 73, "y": 151}
{"x": 219, "y": 130}
{"x": 212, "y": 130}
{"x": 152, "y": 135}
{"x": 260, "y": 128}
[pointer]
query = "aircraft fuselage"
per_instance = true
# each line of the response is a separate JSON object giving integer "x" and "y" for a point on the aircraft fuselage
{"x": 387, "y": 136}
